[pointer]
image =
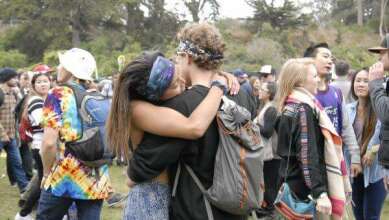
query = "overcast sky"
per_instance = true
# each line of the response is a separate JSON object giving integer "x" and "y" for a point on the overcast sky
{"x": 228, "y": 8}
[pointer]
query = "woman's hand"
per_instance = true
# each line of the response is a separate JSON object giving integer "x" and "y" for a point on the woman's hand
{"x": 232, "y": 82}
{"x": 370, "y": 155}
{"x": 221, "y": 78}
{"x": 368, "y": 158}
{"x": 356, "y": 169}
{"x": 323, "y": 205}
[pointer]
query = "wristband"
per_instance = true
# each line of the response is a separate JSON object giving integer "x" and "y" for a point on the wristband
{"x": 220, "y": 85}
{"x": 322, "y": 195}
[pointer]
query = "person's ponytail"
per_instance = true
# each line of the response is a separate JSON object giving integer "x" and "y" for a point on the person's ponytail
{"x": 118, "y": 124}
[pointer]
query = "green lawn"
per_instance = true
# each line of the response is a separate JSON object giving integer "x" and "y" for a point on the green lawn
{"x": 9, "y": 195}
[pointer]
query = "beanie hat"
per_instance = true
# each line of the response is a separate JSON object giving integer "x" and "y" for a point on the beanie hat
{"x": 6, "y": 74}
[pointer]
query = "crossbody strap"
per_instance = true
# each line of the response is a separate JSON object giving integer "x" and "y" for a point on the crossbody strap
{"x": 199, "y": 185}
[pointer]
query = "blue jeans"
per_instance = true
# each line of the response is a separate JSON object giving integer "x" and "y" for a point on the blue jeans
{"x": 53, "y": 207}
{"x": 368, "y": 201}
{"x": 14, "y": 163}
{"x": 26, "y": 155}
{"x": 148, "y": 200}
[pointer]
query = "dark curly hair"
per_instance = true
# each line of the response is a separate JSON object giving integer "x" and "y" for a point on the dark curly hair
{"x": 207, "y": 37}
{"x": 131, "y": 85}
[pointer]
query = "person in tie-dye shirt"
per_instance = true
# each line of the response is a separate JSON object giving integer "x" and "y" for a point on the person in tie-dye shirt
{"x": 65, "y": 179}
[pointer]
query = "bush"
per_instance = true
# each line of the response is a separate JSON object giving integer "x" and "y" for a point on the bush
{"x": 13, "y": 58}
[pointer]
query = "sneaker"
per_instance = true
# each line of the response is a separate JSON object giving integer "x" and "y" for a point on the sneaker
{"x": 21, "y": 202}
{"x": 115, "y": 199}
{"x": 19, "y": 217}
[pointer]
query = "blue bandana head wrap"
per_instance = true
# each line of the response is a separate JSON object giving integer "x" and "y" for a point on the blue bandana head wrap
{"x": 161, "y": 76}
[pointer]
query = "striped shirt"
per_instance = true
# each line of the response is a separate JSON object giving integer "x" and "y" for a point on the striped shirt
{"x": 34, "y": 108}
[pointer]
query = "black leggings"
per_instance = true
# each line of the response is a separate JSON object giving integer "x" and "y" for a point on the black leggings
{"x": 34, "y": 195}
{"x": 272, "y": 183}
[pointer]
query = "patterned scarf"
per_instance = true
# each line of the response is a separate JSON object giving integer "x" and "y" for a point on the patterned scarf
{"x": 337, "y": 179}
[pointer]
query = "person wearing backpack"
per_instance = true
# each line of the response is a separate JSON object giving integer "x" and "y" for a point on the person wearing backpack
{"x": 40, "y": 88}
{"x": 150, "y": 199}
{"x": 199, "y": 57}
{"x": 8, "y": 81}
{"x": 68, "y": 175}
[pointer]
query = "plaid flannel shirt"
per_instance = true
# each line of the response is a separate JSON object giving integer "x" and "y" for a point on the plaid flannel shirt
{"x": 7, "y": 117}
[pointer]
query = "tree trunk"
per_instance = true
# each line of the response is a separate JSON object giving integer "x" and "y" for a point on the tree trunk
{"x": 384, "y": 3}
{"x": 76, "y": 26}
{"x": 194, "y": 9}
{"x": 360, "y": 12}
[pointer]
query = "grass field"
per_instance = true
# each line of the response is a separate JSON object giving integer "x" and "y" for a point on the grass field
{"x": 9, "y": 195}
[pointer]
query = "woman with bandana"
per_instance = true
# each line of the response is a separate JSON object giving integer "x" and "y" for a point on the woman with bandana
{"x": 145, "y": 83}
{"x": 199, "y": 58}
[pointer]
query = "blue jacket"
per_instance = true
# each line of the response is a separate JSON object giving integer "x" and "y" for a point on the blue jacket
{"x": 375, "y": 172}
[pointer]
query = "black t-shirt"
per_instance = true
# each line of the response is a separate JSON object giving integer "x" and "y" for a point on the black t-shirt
{"x": 156, "y": 153}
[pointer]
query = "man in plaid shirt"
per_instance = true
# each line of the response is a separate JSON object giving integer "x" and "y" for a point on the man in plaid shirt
{"x": 8, "y": 83}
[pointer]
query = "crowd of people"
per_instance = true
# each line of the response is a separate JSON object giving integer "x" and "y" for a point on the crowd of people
{"x": 323, "y": 133}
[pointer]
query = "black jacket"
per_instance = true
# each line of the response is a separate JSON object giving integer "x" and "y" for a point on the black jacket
{"x": 156, "y": 153}
{"x": 380, "y": 101}
{"x": 299, "y": 129}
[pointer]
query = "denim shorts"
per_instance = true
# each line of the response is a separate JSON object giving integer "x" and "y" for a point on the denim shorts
{"x": 149, "y": 200}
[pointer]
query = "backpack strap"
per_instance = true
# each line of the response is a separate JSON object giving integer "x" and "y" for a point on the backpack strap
{"x": 79, "y": 95}
{"x": 198, "y": 183}
{"x": 202, "y": 189}
{"x": 175, "y": 184}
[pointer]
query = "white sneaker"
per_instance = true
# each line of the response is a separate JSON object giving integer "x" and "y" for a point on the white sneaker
{"x": 27, "y": 217}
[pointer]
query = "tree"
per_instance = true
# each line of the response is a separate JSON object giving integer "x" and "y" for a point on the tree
{"x": 160, "y": 26}
{"x": 382, "y": 27}
{"x": 287, "y": 15}
{"x": 321, "y": 9}
{"x": 196, "y": 6}
{"x": 360, "y": 12}
{"x": 345, "y": 11}
{"x": 52, "y": 24}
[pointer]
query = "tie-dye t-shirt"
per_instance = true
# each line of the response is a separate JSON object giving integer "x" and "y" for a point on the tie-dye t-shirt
{"x": 68, "y": 177}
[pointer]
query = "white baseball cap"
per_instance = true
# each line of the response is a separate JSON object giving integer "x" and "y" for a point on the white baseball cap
{"x": 265, "y": 69}
{"x": 80, "y": 63}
